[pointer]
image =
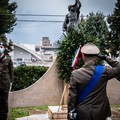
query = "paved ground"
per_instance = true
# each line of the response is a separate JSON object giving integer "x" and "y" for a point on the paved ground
{"x": 35, "y": 117}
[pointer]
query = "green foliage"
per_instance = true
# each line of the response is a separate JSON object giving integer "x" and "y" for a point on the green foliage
{"x": 114, "y": 24}
{"x": 25, "y": 76}
{"x": 7, "y": 22}
{"x": 7, "y": 16}
{"x": 92, "y": 29}
{"x": 22, "y": 112}
{"x": 66, "y": 50}
{"x": 18, "y": 112}
{"x": 116, "y": 107}
{"x": 40, "y": 108}
{"x": 96, "y": 30}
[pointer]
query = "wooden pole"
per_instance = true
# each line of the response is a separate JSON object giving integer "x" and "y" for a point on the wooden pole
{"x": 65, "y": 87}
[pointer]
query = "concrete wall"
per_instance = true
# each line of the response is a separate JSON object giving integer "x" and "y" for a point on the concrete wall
{"x": 113, "y": 91}
{"x": 46, "y": 91}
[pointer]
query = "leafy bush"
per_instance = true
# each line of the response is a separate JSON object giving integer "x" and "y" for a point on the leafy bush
{"x": 66, "y": 50}
{"x": 25, "y": 76}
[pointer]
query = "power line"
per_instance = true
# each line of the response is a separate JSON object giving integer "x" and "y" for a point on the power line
{"x": 40, "y": 21}
{"x": 34, "y": 15}
{"x": 24, "y": 14}
{"x": 40, "y": 15}
{"x": 52, "y": 21}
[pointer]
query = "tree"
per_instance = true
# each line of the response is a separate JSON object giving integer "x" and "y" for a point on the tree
{"x": 7, "y": 16}
{"x": 96, "y": 30}
{"x": 92, "y": 29}
{"x": 7, "y": 22}
{"x": 114, "y": 24}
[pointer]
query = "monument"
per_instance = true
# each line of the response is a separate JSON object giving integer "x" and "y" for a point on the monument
{"x": 70, "y": 24}
{"x": 72, "y": 18}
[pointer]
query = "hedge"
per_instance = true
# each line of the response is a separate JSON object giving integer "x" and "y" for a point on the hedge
{"x": 25, "y": 76}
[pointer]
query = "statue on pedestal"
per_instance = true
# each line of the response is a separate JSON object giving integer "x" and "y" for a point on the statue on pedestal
{"x": 72, "y": 18}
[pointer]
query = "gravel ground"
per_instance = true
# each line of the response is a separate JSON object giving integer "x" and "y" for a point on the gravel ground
{"x": 35, "y": 117}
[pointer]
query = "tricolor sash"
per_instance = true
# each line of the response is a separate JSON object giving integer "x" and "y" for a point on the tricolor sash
{"x": 91, "y": 84}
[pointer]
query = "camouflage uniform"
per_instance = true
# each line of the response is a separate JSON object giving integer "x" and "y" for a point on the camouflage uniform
{"x": 6, "y": 76}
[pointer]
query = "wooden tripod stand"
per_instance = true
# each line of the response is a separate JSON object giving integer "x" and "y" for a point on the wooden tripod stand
{"x": 62, "y": 97}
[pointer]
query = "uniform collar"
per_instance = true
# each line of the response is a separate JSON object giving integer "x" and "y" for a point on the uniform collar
{"x": 89, "y": 63}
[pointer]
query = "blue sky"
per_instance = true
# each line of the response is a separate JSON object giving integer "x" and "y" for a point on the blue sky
{"x": 32, "y": 32}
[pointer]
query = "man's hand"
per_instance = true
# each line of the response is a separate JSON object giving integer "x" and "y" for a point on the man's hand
{"x": 72, "y": 115}
{"x": 103, "y": 57}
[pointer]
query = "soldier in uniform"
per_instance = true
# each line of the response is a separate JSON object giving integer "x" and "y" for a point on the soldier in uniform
{"x": 94, "y": 106}
{"x": 6, "y": 77}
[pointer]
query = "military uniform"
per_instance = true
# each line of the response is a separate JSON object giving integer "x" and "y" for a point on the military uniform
{"x": 96, "y": 105}
{"x": 6, "y": 77}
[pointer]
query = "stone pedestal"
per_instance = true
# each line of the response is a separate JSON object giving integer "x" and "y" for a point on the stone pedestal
{"x": 56, "y": 113}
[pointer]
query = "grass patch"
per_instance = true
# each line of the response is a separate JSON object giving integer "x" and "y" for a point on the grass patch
{"x": 116, "y": 107}
{"x": 22, "y": 112}
{"x": 18, "y": 112}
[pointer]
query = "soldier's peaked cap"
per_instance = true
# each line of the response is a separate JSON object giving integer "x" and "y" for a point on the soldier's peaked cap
{"x": 90, "y": 49}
